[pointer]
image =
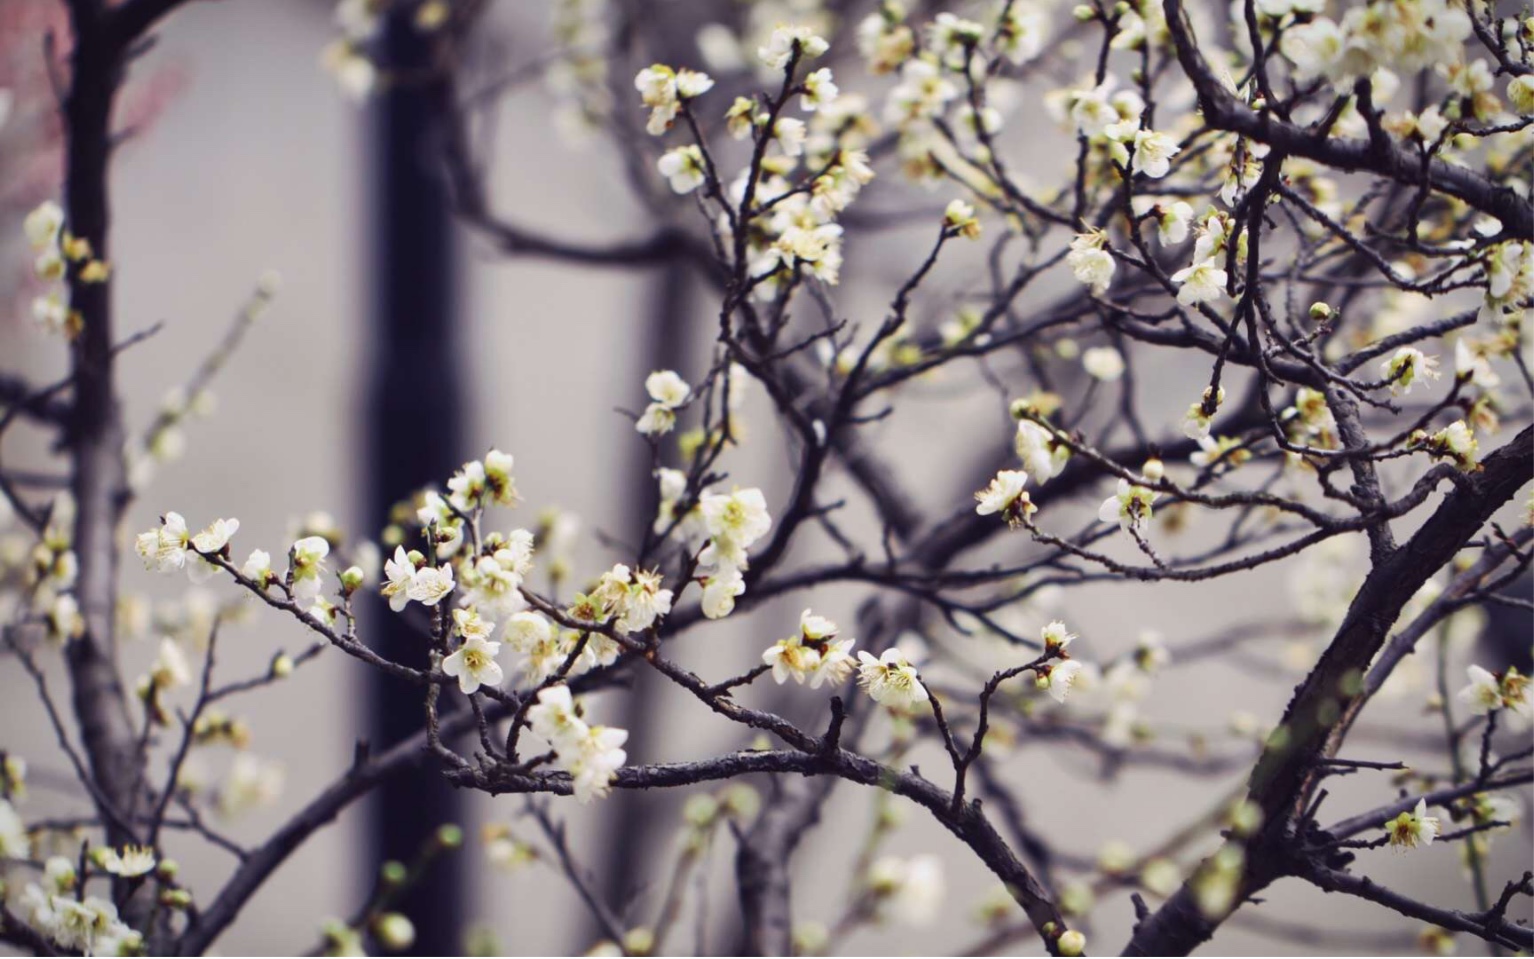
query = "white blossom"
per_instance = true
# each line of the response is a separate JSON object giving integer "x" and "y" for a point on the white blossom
{"x": 781, "y": 44}
{"x": 1413, "y": 828}
{"x": 890, "y": 679}
{"x": 1103, "y": 363}
{"x": 474, "y": 665}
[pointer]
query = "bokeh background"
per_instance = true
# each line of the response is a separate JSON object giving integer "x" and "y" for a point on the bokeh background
{"x": 254, "y": 161}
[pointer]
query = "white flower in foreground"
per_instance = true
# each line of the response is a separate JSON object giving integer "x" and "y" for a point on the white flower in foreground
{"x": 1154, "y": 152}
{"x": 1404, "y": 368}
{"x": 1200, "y": 283}
{"x": 1043, "y": 458}
{"x": 216, "y": 537}
{"x": 498, "y": 478}
{"x": 1455, "y": 442}
{"x": 306, "y": 566}
{"x": 733, "y": 522}
{"x": 1413, "y": 828}
{"x": 1058, "y": 678}
{"x": 634, "y": 597}
{"x": 595, "y": 762}
{"x": 1056, "y": 637}
{"x": 692, "y": 83}
{"x": 1130, "y": 507}
{"x": 683, "y": 168}
{"x": 429, "y": 584}
{"x": 398, "y": 572}
{"x": 819, "y": 90}
{"x": 554, "y": 719}
{"x": 720, "y": 591}
{"x": 890, "y": 680}
{"x": 213, "y": 541}
{"x": 258, "y": 568}
{"x": 164, "y": 550}
{"x": 656, "y": 420}
{"x": 781, "y": 44}
{"x": 658, "y": 89}
{"x": 1172, "y": 222}
{"x": 1200, "y": 416}
{"x": 813, "y": 654}
{"x": 1090, "y": 263}
{"x": 132, "y": 861}
{"x": 667, "y": 388}
{"x": 474, "y": 665}
{"x": 960, "y": 218}
{"x": 1489, "y": 692}
{"x": 1006, "y": 496}
{"x": 1103, "y": 363}
{"x": 470, "y": 625}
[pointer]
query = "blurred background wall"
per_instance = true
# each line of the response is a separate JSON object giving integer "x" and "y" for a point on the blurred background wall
{"x": 259, "y": 163}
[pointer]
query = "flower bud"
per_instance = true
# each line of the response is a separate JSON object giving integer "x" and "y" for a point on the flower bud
{"x": 449, "y": 836}
{"x": 1072, "y": 943}
{"x": 639, "y": 941}
{"x": 394, "y": 932}
{"x": 175, "y": 898}
{"x": 1320, "y": 311}
{"x": 1084, "y": 13}
{"x": 282, "y": 666}
{"x": 351, "y": 579}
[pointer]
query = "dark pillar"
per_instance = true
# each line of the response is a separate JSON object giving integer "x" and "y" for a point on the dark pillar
{"x": 414, "y": 438}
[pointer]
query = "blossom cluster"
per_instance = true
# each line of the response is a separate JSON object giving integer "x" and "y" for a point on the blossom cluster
{"x": 591, "y": 754}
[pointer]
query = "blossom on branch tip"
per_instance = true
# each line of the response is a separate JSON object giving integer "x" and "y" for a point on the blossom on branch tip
{"x": 960, "y": 218}
{"x": 1489, "y": 692}
{"x": 1200, "y": 283}
{"x": 398, "y": 572}
{"x": 1404, "y": 368}
{"x": 1413, "y": 828}
{"x": 683, "y": 168}
{"x": 891, "y": 680}
{"x": 1007, "y": 497}
{"x": 429, "y": 584}
{"x": 1058, "y": 678}
{"x": 720, "y": 592}
{"x": 132, "y": 861}
{"x": 1130, "y": 506}
{"x": 164, "y": 549}
{"x": 785, "y": 40}
{"x": 1090, "y": 262}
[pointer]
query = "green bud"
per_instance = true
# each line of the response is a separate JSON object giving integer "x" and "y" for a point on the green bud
{"x": 1084, "y": 13}
{"x": 282, "y": 666}
{"x": 1320, "y": 311}
{"x": 351, "y": 579}
{"x": 175, "y": 898}
{"x": 393, "y": 873}
{"x": 449, "y": 836}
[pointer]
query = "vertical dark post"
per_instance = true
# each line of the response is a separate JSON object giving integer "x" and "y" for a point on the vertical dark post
{"x": 415, "y": 412}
